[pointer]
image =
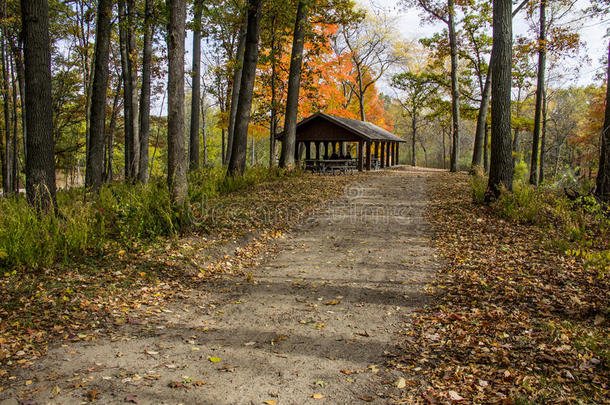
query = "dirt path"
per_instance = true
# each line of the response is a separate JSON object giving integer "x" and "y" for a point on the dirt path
{"x": 314, "y": 321}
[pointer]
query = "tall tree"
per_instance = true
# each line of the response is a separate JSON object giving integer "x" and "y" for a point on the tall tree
{"x": 294, "y": 84}
{"x": 501, "y": 165}
{"x": 419, "y": 89}
{"x": 237, "y": 164}
{"x": 445, "y": 12}
{"x": 95, "y": 157}
{"x": 144, "y": 113}
{"x": 176, "y": 158}
{"x": 196, "y": 89}
{"x": 128, "y": 101}
{"x": 237, "y": 73}
{"x": 539, "y": 95}
{"x": 602, "y": 189}
{"x": 40, "y": 163}
{"x": 370, "y": 47}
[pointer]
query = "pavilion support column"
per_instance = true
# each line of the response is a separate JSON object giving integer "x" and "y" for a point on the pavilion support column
{"x": 382, "y": 155}
{"x": 387, "y": 154}
{"x": 360, "y": 162}
{"x": 334, "y": 148}
{"x": 376, "y": 153}
{"x": 325, "y": 150}
{"x": 317, "y": 150}
{"x": 307, "y": 150}
{"x": 397, "y": 149}
{"x": 368, "y": 155}
{"x": 392, "y": 151}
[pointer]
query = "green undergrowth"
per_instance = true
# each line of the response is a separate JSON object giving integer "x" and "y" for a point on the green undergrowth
{"x": 578, "y": 228}
{"x": 120, "y": 215}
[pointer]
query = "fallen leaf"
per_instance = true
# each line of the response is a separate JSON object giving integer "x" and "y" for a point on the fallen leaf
{"x": 317, "y": 396}
{"x": 93, "y": 394}
{"x": 131, "y": 398}
{"x": 214, "y": 359}
{"x": 401, "y": 383}
{"x": 270, "y": 402}
{"x": 455, "y": 397}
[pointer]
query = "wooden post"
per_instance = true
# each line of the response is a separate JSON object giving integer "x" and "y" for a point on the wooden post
{"x": 376, "y": 153}
{"x": 360, "y": 144}
{"x": 307, "y": 150}
{"x": 382, "y": 155}
{"x": 368, "y": 155}
{"x": 387, "y": 154}
{"x": 317, "y": 150}
{"x": 397, "y": 149}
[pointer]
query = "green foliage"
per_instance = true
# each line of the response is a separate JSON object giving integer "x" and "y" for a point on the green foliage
{"x": 521, "y": 172}
{"x": 122, "y": 215}
{"x": 525, "y": 204}
{"x": 478, "y": 184}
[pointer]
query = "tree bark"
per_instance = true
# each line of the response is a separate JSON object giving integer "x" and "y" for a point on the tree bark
{"x": 6, "y": 152}
{"x": 414, "y": 138}
{"x": 15, "y": 152}
{"x": 602, "y": 189}
{"x": 144, "y": 113}
{"x": 501, "y": 168}
{"x": 294, "y": 84}
{"x": 237, "y": 163}
{"x": 94, "y": 176}
{"x": 477, "y": 155}
{"x": 176, "y": 158}
{"x": 204, "y": 135}
{"x": 239, "y": 61}
{"x": 196, "y": 90}
{"x": 539, "y": 95}
{"x": 455, "y": 91}
{"x": 133, "y": 76}
{"x": 109, "y": 171}
{"x": 128, "y": 111}
{"x": 543, "y": 139}
{"x": 273, "y": 120}
{"x": 486, "y": 149}
{"x": 40, "y": 164}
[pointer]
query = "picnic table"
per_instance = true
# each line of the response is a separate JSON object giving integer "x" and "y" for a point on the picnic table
{"x": 331, "y": 166}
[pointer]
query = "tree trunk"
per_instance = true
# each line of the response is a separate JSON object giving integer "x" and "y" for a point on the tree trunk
{"x": 6, "y": 152}
{"x": 128, "y": 111}
{"x": 360, "y": 95}
{"x": 455, "y": 91}
{"x": 294, "y": 84}
{"x": 501, "y": 168}
{"x": 237, "y": 163}
{"x": 539, "y": 95}
{"x": 203, "y": 133}
{"x": 15, "y": 152}
{"x": 602, "y": 189}
{"x": 40, "y": 164}
{"x": 413, "y": 139}
{"x": 515, "y": 146}
{"x": 543, "y": 140}
{"x": 133, "y": 76}
{"x": 196, "y": 90}
{"x": 273, "y": 121}
{"x": 477, "y": 155}
{"x": 109, "y": 172}
{"x": 176, "y": 158}
{"x": 144, "y": 113}
{"x": 486, "y": 149}
{"x": 94, "y": 176}
{"x": 239, "y": 60}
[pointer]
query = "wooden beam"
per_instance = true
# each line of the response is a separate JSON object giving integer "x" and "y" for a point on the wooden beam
{"x": 397, "y": 149}
{"x": 360, "y": 157}
{"x": 368, "y": 155}
{"x": 307, "y": 150}
{"x": 317, "y": 150}
{"x": 382, "y": 155}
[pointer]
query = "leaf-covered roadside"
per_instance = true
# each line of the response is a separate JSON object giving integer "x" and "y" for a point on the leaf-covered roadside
{"x": 84, "y": 299}
{"x": 512, "y": 321}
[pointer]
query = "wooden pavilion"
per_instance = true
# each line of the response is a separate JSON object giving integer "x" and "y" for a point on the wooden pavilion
{"x": 334, "y": 138}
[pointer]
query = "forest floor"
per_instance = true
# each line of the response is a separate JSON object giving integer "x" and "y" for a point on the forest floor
{"x": 312, "y": 321}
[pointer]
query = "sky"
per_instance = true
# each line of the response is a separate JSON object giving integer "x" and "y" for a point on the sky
{"x": 592, "y": 32}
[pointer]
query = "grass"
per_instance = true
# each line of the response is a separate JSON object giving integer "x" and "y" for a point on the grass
{"x": 120, "y": 215}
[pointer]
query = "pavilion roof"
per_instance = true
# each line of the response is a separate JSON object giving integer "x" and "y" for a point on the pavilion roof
{"x": 363, "y": 129}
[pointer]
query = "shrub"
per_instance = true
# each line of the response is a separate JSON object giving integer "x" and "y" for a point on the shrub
{"x": 478, "y": 184}
{"x": 524, "y": 204}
